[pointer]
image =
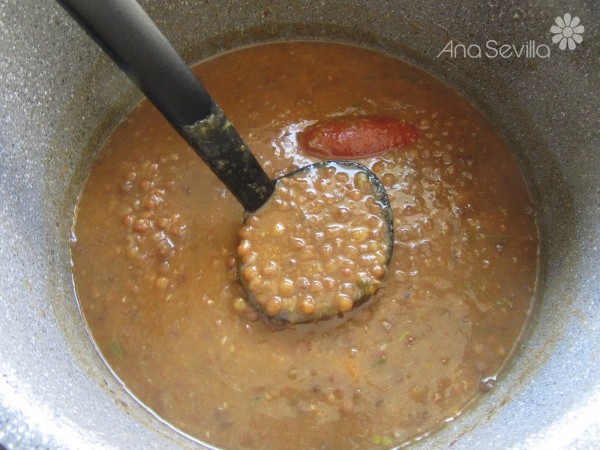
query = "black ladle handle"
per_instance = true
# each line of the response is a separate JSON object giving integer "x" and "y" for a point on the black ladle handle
{"x": 126, "y": 33}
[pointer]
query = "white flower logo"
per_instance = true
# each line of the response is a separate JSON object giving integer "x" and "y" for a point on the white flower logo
{"x": 567, "y": 31}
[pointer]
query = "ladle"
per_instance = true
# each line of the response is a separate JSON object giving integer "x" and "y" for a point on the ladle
{"x": 128, "y": 35}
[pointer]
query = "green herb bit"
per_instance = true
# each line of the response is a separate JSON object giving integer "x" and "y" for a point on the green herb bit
{"x": 499, "y": 239}
{"x": 302, "y": 216}
{"x": 116, "y": 349}
{"x": 368, "y": 285}
{"x": 492, "y": 299}
{"x": 378, "y": 439}
{"x": 380, "y": 362}
{"x": 478, "y": 234}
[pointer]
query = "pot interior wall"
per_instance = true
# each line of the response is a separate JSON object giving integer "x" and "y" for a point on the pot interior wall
{"x": 61, "y": 97}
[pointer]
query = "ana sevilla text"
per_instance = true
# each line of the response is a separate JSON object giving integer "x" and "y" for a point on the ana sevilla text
{"x": 493, "y": 49}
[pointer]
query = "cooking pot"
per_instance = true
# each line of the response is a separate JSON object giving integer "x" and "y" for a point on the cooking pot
{"x": 60, "y": 97}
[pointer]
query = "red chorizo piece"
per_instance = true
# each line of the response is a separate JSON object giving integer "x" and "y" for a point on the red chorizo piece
{"x": 355, "y": 137}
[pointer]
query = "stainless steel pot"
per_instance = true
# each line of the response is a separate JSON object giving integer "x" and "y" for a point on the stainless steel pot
{"x": 60, "y": 97}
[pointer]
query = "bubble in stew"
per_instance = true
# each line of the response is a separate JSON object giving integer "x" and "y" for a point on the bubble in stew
{"x": 157, "y": 236}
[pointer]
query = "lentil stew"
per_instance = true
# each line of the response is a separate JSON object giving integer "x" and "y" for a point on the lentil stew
{"x": 155, "y": 262}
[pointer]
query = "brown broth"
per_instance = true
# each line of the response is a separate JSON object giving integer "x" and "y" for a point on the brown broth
{"x": 156, "y": 275}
